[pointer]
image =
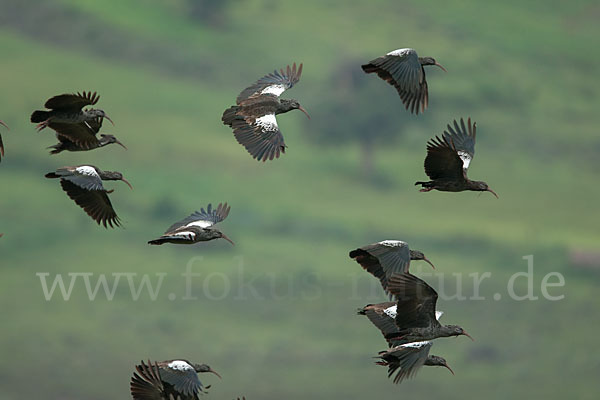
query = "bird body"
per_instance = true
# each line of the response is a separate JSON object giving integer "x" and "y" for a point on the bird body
{"x": 448, "y": 160}
{"x": 198, "y": 227}
{"x": 83, "y": 184}
{"x": 253, "y": 117}
{"x": 2, "y": 144}
{"x": 403, "y": 69}
{"x": 81, "y": 136}
{"x": 68, "y": 109}
{"x": 171, "y": 379}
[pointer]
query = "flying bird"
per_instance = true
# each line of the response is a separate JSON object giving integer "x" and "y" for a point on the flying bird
{"x": 172, "y": 379}
{"x": 403, "y": 69}
{"x": 81, "y": 136}
{"x": 448, "y": 159}
{"x": 2, "y": 144}
{"x": 68, "y": 109}
{"x": 253, "y": 117}
{"x": 385, "y": 258}
{"x": 415, "y": 314}
{"x": 83, "y": 184}
{"x": 406, "y": 358}
{"x": 198, "y": 227}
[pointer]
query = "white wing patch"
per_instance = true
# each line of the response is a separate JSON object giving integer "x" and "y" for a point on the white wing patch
{"x": 438, "y": 315}
{"x": 85, "y": 177}
{"x": 392, "y": 243}
{"x": 188, "y": 234}
{"x": 416, "y": 345}
{"x": 180, "y": 365}
{"x": 267, "y": 122}
{"x": 391, "y": 311}
{"x": 402, "y": 52}
{"x": 273, "y": 89}
{"x": 465, "y": 157}
{"x": 200, "y": 223}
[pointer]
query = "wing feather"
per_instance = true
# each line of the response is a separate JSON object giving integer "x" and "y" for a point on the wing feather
{"x": 274, "y": 83}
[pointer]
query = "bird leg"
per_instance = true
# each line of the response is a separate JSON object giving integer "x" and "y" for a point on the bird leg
{"x": 426, "y": 190}
{"x": 42, "y": 125}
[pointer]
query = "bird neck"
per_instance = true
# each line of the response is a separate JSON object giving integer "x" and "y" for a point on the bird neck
{"x": 284, "y": 106}
{"x": 109, "y": 175}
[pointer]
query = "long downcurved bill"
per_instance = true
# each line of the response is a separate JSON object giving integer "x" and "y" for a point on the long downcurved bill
{"x": 450, "y": 369}
{"x": 440, "y": 65}
{"x": 121, "y": 144}
{"x": 128, "y": 184}
{"x": 304, "y": 111}
{"x": 3, "y": 124}
{"x": 108, "y": 118}
{"x": 469, "y": 336}
{"x": 494, "y": 193}
{"x": 215, "y": 372}
{"x": 226, "y": 238}
{"x": 428, "y": 262}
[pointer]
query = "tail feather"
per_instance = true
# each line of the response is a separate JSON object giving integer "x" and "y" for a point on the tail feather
{"x": 57, "y": 148}
{"x": 40, "y": 116}
{"x": 158, "y": 241}
{"x": 52, "y": 175}
{"x": 230, "y": 115}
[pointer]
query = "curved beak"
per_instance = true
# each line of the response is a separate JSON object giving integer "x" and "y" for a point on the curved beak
{"x": 304, "y": 111}
{"x": 108, "y": 118}
{"x": 121, "y": 144}
{"x": 224, "y": 236}
{"x": 450, "y": 369}
{"x": 428, "y": 262}
{"x": 215, "y": 372}
{"x": 128, "y": 184}
{"x": 469, "y": 336}
{"x": 440, "y": 65}
{"x": 3, "y": 124}
{"x": 494, "y": 193}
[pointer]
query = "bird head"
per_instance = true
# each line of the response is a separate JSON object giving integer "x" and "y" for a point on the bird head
{"x": 455, "y": 330}
{"x": 293, "y": 104}
{"x": 417, "y": 255}
{"x": 111, "y": 139}
{"x": 430, "y": 61}
{"x": 93, "y": 112}
{"x": 438, "y": 361}
{"x": 199, "y": 368}
{"x": 483, "y": 187}
{"x": 115, "y": 176}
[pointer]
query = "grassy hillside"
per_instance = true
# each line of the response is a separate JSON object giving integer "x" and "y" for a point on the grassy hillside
{"x": 275, "y": 313}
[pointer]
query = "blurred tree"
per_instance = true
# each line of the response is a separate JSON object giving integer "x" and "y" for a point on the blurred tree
{"x": 210, "y": 12}
{"x": 358, "y": 108}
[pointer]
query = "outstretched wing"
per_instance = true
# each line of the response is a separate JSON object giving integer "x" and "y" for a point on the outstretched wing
{"x": 407, "y": 359}
{"x": 73, "y": 102}
{"x": 260, "y": 136}
{"x": 183, "y": 378}
{"x": 462, "y": 139}
{"x": 442, "y": 160}
{"x": 383, "y": 259}
{"x": 82, "y": 134}
{"x": 383, "y": 316}
{"x": 401, "y": 68}
{"x": 146, "y": 384}
{"x": 416, "y": 301}
{"x": 202, "y": 218}
{"x": 94, "y": 202}
{"x": 274, "y": 83}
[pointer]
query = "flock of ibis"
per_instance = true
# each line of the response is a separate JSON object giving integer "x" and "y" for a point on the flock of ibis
{"x": 409, "y": 323}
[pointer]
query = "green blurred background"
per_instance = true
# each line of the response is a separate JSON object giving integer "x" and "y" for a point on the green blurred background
{"x": 527, "y": 72}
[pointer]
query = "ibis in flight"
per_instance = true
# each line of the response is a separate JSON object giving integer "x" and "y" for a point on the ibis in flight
{"x": 415, "y": 314}
{"x": 198, "y": 227}
{"x": 253, "y": 117}
{"x": 68, "y": 109}
{"x": 406, "y": 358}
{"x": 2, "y": 144}
{"x": 385, "y": 258}
{"x": 448, "y": 159}
{"x": 403, "y": 69}
{"x": 83, "y": 184}
{"x": 172, "y": 379}
{"x": 81, "y": 136}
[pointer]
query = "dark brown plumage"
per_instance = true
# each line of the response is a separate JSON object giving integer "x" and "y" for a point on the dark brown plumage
{"x": 83, "y": 184}
{"x": 81, "y": 136}
{"x": 68, "y": 108}
{"x": 404, "y": 70}
{"x": 171, "y": 379}
{"x": 2, "y": 144}
{"x": 253, "y": 117}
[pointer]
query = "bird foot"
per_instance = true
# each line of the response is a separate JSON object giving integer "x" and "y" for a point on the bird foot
{"x": 41, "y": 125}
{"x": 426, "y": 190}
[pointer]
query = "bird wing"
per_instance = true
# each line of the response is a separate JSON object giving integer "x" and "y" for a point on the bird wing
{"x": 84, "y": 176}
{"x": 146, "y": 384}
{"x": 443, "y": 161}
{"x": 383, "y": 259}
{"x": 260, "y": 136}
{"x": 382, "y": 317}
{"x": 82, "y": 134}
{"x": 463, "y": 140}
{"x": 94, "y": 202}
{"x": 73, "y": 102}
{"x": 401, "y": 68}
{"x": 274, "y": 83}
{"x": 406, "y": 359}
{"x": 202, "y": 218}
{"x": 1, "y": 148}
{"x": 182, "y": 377}
{"x": 416, "y": 301}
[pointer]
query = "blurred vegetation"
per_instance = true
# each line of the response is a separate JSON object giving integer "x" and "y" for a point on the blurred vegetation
{"x": 525, "y": 71}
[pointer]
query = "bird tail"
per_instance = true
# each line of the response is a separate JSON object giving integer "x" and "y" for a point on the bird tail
{"x": 57, "y": 148}
{"x": 158, "y": 241}
{"x": 230, "y": 115}
{"x": 40, "y": 116}
{"x": 52, "y": 175}
{"x": 424, "y": 184}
